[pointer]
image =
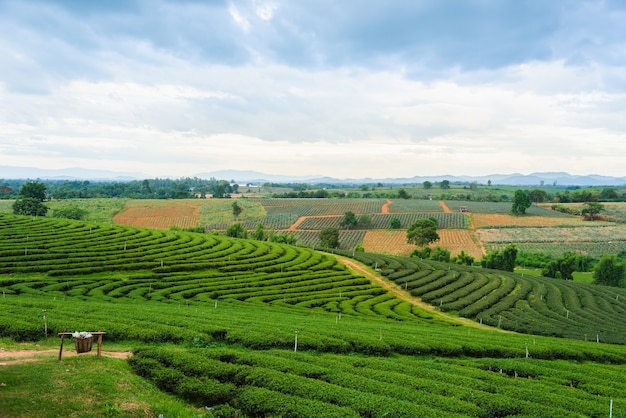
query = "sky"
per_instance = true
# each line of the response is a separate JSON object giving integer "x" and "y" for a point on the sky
{"x": 347, "y": 89}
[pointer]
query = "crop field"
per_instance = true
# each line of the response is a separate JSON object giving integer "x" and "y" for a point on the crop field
{"x": 486, "y": 220}
{"x": 410, "y": 205}
{"x": 501, "y": 207}
{"x": 383, "y": 221}
{"x": 394, "y": 242}
{"x": 348, "y": 239}
{"x": 582, "y": 234}
{"x": 161, "y": 214}
{"x": 314, "y": 207}
{"x": 596, "y": 250}
{"x": 265, "y": 329}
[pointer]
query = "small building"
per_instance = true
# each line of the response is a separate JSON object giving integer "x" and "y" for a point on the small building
{"x": 463, "y": 209}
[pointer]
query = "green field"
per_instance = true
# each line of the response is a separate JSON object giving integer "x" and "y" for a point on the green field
{"x": 263, "y": 329}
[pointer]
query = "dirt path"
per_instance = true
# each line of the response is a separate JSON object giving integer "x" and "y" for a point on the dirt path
{"x": 445, "y": 207}
{"x": 8, "y": 358}
{"x": 407, "y": 297}
{"x": 385, "y": 207}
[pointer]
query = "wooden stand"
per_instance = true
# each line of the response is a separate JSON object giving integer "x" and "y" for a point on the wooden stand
{"x": 98, "y": 333}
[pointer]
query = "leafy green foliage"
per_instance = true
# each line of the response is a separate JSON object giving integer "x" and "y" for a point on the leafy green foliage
{"x": 521, "y": 202}
{"x": 329, "y": 238}
{"x": 29, "y": 203}
{"x": 422, "y": 232}
{"x": 349, "y": 220}
{"x": 501, "y": 260}
{"x": 236, "y": 231}
{"x": 610, "y": 272}
{"x": 29, "y": 207}
{"x": 71, "y": 212}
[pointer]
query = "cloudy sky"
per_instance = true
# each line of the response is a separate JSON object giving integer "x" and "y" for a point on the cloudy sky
{"x": 345, "y": 88}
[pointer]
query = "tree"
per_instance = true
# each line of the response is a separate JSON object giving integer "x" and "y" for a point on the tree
{"x": 609, "y": 272}
{"x": 538, "y": 196}
{"x": 70, "y": 212}
{"x": 441, "y": 254}
{"x": 592, "y": 209}
{"x": 34, "y": 190}
{"x": 501, "y": 260}
{"x": 395, "y": 223}
{"x": 364, "y": 220}
{"x": 564, "y": 266}
{"x": 259, "y": 233}
{"x": 329, "y": 238}
{"x": 427, "y": 184}
{"x": 236, "y": 210}
{"x": 422, "y": 232}
{"x": 445, "y": 184}
{"x": 236, "y": 231}
{"x": 403, "y": 194}
{"x": 349, "y": 220}
{"x": 463, "y": 258}
{"x": 29, "y": 207}
{"x": 30, "y": 200}
{"x": 521, "y": 202}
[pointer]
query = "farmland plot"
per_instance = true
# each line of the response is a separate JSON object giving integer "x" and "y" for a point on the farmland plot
{"x": 313, "y": 207}
{"x": 485, "y": 220}
{"x": 582, "y": 234}
{"x": 160, "y": 214}
{"x": 394, "y": 242}
{"x": 501, "y": 207}
{"x": 411, "y": 205}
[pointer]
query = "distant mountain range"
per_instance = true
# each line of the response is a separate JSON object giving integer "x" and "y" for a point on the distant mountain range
{"x": 255, "y": 177}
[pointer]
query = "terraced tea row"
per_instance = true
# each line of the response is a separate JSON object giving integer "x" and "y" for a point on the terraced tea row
{"x": 521, "y": 303}
{"x": 280, "y": 383}
{"x": 111, "y": 262}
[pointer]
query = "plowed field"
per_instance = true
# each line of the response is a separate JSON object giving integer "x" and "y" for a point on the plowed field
{"x": 161, "y": 214}
{"x": 394, "y": 242}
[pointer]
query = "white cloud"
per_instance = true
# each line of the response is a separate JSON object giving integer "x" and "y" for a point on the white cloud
{"x": 239, "y": 19}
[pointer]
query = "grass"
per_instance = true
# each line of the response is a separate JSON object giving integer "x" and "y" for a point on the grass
{"x": 83, "y": 386}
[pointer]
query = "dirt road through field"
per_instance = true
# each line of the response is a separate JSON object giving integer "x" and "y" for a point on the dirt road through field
{"x": 445, "y": 207}
{"x": 405, "y": 296}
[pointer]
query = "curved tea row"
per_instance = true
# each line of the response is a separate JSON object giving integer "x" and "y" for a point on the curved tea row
{"x": 533, "y": 305}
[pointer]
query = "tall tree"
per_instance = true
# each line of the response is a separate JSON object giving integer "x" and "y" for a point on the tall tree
{"x": 236, "y": 210}
{"x": 422, "y": 232}
{"x": 329, "y": 238}
{"x": 521, "y": 202}
{"x": 427, "y": 184}
{"x": 609, "y": 272}
{"x": 592, "y": 209}
{"x": 445, "y": 184}
{"x": 30, "y": 200}
{"x": 403, "y": 194}
{"x": 501, "y": 260}
{"x": 349, "y": 220}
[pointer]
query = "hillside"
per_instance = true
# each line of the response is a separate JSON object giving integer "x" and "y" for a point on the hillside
{"x": 269, "y": 329}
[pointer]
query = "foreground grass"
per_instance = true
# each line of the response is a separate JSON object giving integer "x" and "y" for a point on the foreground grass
{"x": 83, "y": 386}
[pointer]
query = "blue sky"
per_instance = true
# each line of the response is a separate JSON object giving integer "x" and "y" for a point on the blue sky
{"x": 338, "y": 88}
